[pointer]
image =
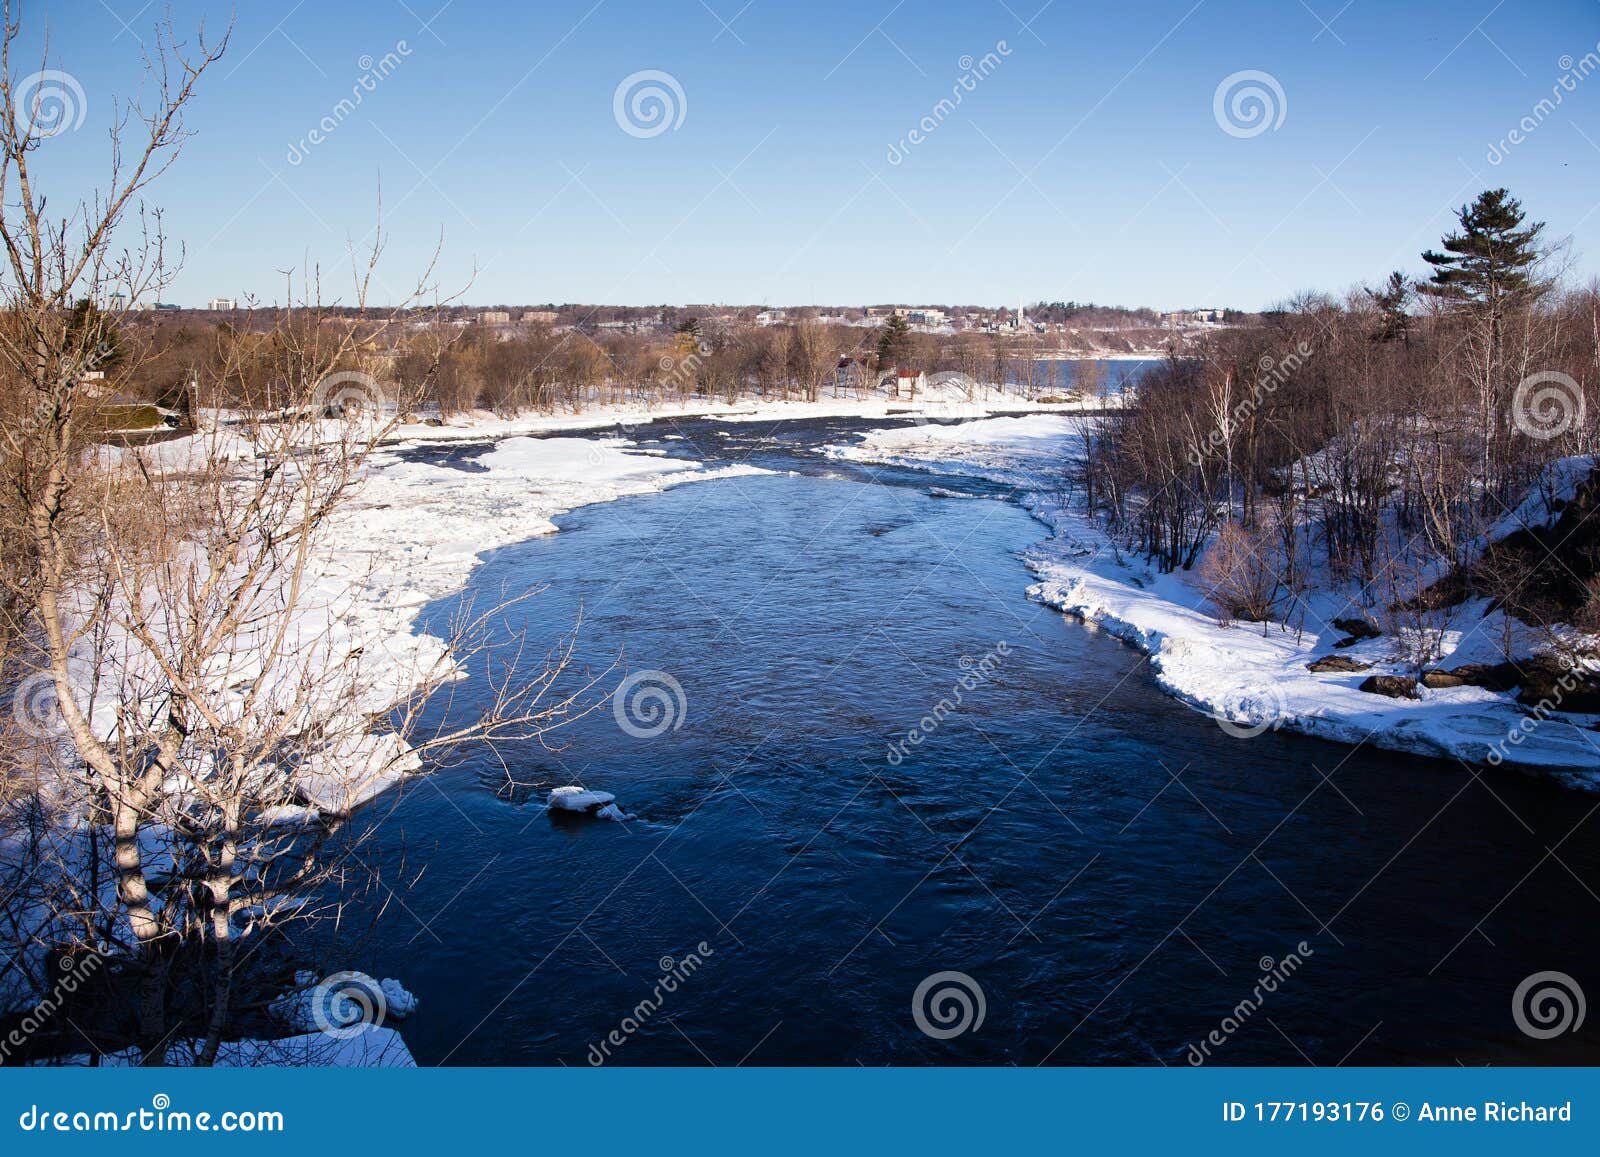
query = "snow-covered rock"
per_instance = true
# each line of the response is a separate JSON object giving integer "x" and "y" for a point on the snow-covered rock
{"x": 600, "y": 804}
{"x": 342, "y": 1001}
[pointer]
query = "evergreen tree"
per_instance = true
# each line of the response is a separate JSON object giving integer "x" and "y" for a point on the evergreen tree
{"x": 894, "y": 342}
{"x": 1394, "y": 323}
{"x": 1490, "y": 259}
{"x": 94, "y": 336}
{"x": 1485, "y": 273}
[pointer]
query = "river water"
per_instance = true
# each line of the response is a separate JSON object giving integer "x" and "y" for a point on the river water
{"x": 1111, "y": 870}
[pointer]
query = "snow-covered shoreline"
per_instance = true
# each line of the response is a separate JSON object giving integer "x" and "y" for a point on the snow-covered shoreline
{"x": 937, "y": 401}
{"x": 416, "y": 531}
{"x": 1251, "y": 679}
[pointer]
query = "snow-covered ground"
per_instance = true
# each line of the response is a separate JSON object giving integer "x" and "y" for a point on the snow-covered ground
{"x": 415, "y": 532}
{"x": 369, "y": 1047}
{"x": 941, "y": 399}
{"x": 1250, "y": 678}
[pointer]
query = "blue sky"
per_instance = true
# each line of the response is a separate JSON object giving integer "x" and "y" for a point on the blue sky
{"x": 1089, "y": 164}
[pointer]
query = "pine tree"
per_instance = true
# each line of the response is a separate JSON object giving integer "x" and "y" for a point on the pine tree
{"x": 93, "y": 332}
{"x": 1394, "y": 323}
{"x": 894, "y": 341}
{"x": 1490, "y": 259}
{"x": 1485, "y": 272}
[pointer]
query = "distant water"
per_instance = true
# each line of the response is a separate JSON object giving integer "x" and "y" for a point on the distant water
{"x": 1110, "y": 869}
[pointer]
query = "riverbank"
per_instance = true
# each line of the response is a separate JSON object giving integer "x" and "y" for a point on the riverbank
{"x": 1252, "y": 678}
{"x": 939, "y": 401}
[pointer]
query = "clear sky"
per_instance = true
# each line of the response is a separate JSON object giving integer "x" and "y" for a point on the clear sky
{"x": 1091, "y": 162}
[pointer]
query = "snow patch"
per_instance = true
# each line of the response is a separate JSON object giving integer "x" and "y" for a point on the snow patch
{"x": 600, "y": 804}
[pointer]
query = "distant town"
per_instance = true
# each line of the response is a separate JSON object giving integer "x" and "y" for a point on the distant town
{"x": 1069, "y": 327}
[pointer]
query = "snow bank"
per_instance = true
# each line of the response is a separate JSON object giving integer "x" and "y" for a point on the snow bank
{"x": 342, "y": 1001}
{"x": 412, "y": 534}
{"x": 1249, "y": 680}
{"x": 370, "y": 1048}
{"x": 1027, "y": 452}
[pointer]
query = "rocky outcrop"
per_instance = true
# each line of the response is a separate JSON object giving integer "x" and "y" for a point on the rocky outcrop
{"x": 1394, "y": 686}
{"x": 1357, "y": 629}
{"x": 1336, "y": 663}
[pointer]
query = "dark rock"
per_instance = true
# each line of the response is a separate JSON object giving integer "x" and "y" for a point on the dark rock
{"x": 1394, "y": 686}
{"x": 1336, "y": 663}
{"x": 1491, "y": 676}
{"x": 1553, "y": 686}
{"x": 1357, "y": 628}
{"x": 1439, "y": 680}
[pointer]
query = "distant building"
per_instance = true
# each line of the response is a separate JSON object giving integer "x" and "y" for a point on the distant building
{"x": 1200, "y": 316}
{"x": 770, "y": 317}
{"x": 222, "y": 303}
{"x": 541, "y": 316}
{"x": 495, "y": 317}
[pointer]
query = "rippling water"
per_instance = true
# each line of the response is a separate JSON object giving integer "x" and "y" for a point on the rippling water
{"x": 1109, "y": 868}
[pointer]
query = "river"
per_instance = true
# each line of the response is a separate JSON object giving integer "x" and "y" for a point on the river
{"x": 1111, "y": 870}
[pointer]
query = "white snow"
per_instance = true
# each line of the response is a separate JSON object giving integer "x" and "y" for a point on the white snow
{"x": 351, "y": 995}
{"x": 1252, "y": 679}
{"x": 373, "y": 1047}
{"x": 412, "y": 534}
{"x": 600, "y": 804}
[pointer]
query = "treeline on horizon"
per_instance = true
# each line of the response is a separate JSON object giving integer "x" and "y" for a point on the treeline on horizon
{"x": 444, "y": 362}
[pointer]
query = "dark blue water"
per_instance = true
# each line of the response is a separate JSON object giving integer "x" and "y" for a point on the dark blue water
{"x": 1107, "y": 866}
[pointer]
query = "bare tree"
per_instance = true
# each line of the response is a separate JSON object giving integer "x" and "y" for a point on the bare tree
{"x": 200, "y": 689}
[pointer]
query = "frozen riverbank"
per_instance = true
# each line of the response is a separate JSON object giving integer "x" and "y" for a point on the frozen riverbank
{"x": 412, "y": 532}
{"x": 1251, "y": 680}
